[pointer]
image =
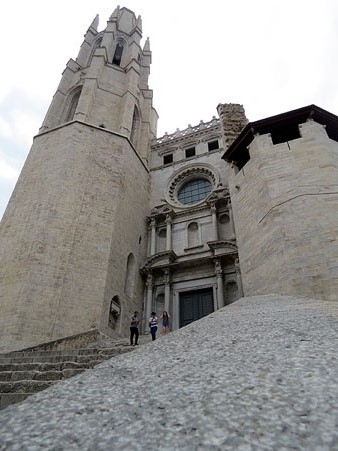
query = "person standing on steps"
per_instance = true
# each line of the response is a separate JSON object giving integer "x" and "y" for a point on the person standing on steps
{"x": 153, "y": 322}
{"x": 165, "y": 322}
{"x": 134, "y": 320}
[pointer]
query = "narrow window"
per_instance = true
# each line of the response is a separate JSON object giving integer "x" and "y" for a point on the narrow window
{"x": 118, "y": 53}
{"x": 167, "y": 159}
{"x": 213, "y": 145}
{"x": 135, "y": 126}
{"x": 75, "y": 96}
{"x": 190, "y": 152}
{"x": 193, "y": 239}
{"x": 224, "y": 226}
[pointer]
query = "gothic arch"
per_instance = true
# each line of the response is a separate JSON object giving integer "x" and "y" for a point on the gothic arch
{"x": 72, "y": 102}
{"x": 96, "y": 45}
{"x": 135, "y": 126}
{"x": 119, "y": 48}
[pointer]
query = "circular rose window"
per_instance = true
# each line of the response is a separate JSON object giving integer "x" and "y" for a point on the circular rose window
{"x": 191, "y": 185}
{"x": 194, "y": 191}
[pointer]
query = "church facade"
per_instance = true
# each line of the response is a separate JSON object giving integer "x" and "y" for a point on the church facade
{"x": 106, "y": 218}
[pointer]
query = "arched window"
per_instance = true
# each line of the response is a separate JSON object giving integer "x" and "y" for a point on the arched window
{"x": 118, "y": 52}
{"x": 130, "y": 276}
{"x": 223, "y": 226}
{"x": 193, "y": 234}
{"x": 135, "y": 127}
{"x": 74, "y": 97}
{"x": 114, "y": 311}
{"x": 96, "y": 45}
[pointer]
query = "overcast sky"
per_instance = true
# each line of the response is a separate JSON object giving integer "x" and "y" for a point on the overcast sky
{"x": 271, "y": 56}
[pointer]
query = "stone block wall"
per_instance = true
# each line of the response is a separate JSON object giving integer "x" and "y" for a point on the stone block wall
{"x": 75, "y": 215}
{"x": 285, "y": 206}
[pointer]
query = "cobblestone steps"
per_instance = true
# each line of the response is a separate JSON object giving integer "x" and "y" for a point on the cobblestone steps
{"x": 23, "y": 373}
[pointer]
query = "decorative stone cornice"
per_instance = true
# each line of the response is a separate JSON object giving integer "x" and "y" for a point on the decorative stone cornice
{"x": 202, "y": 128}
{"x": 222, "y": 244}
{"x": 163, "y": 209}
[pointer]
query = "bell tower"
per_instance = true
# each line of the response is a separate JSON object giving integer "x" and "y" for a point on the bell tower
{"x": 107, "y": 84}
{"x": 74, "y": 232}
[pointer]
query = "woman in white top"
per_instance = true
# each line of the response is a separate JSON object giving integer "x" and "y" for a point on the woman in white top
{"x": 153, "y": 322}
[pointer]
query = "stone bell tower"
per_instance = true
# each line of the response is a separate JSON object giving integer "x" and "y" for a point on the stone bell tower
{"x": 73, "y": 234}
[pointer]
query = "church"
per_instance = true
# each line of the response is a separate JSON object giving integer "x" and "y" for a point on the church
{"x": 107, "y": 218}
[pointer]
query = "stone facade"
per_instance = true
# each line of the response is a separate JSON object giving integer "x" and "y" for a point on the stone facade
{"x": 192, "y": 248}
{"x": 107, "y": 219}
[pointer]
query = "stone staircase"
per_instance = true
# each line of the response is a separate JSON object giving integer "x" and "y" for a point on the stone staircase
{"x": 25, "y": 372}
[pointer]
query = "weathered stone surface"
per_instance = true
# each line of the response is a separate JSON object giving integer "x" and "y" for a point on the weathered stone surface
{"x": 37, "y": 365}
{"x": 289, "y": 192}
{"x": 259, "y": 374}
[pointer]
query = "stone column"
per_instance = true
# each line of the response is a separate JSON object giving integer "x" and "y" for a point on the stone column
{"x": 239, "y": 278}
{"x": 214, "y": 222}
{"x": 232, "y": 225}
{"x": 168, "y": 221}
{"x": 150, "y": 284}
{"x": 152, "y": 236}
{"x": 220, "y": 290}
{"x": 166, "y": 280}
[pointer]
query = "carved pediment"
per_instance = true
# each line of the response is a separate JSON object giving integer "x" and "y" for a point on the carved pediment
{"x": 160, "y": 259}
{"x": 223, "y": 247}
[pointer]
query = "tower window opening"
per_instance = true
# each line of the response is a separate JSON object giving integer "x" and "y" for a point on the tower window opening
{"x": 114, "y": 312}
{"x": 118, "y": 54}
{"x": 190, "y": 152}
{"x": 167, "y": 159}
{"x": 135, "y": 126}
{"x": 75, "y": 96}
{"x": 285, "y": 134}
{"x": 213, "y": 145}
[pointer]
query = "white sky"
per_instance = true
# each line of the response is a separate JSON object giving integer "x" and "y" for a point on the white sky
{"x": 271, "y": 56}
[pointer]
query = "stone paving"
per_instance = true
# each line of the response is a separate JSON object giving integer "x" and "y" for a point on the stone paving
{"x": 260, "y": 374}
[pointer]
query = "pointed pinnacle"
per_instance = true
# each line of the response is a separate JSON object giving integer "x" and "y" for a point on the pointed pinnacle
{"x": 95, "y": 22}
{"x": 139, "y": 23}
{"x": 146, "y": 47}
{"x": 115, "y": 13}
